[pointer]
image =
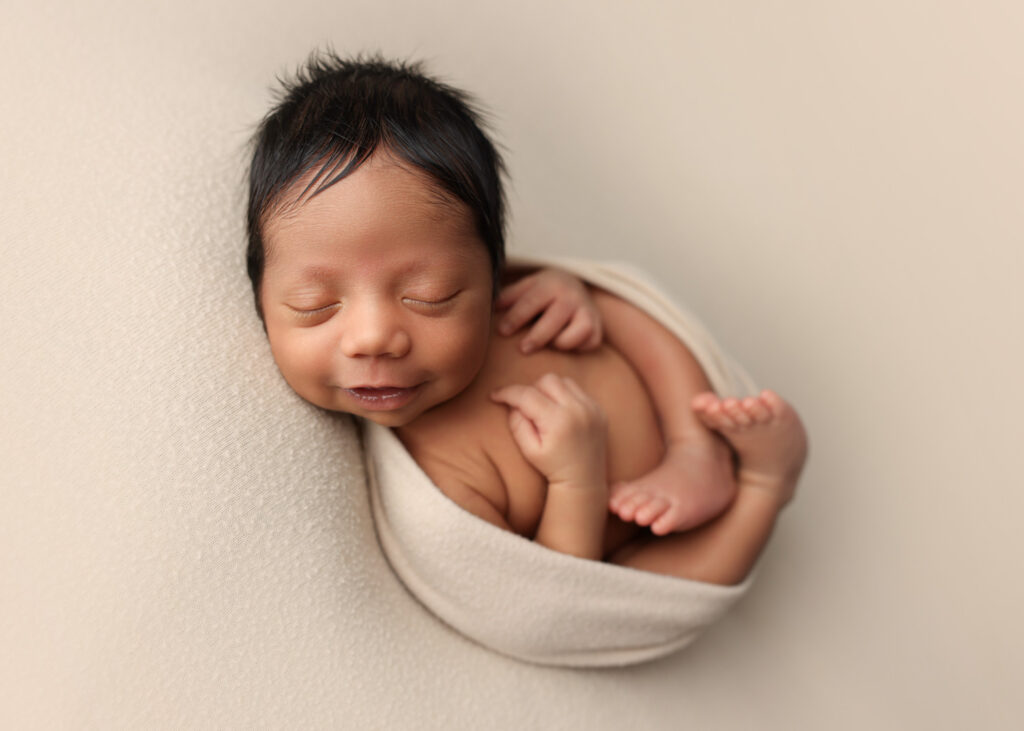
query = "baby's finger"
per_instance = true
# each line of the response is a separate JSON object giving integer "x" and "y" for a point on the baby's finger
{"x": 531, "y": 401}
{"x": 514, "y": 291}
{"x": 578, "y": 333}
{"x": 577, "y": 391}
{"x": 549, "y": 325}
{"x": 524, "y": 309}
{"x": 555, "y": 388}
{"x": 566, "y": 394}
{"x": 524, "y": 431}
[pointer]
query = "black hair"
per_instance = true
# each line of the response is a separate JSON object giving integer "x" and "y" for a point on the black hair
{"x": 337, "y": 112}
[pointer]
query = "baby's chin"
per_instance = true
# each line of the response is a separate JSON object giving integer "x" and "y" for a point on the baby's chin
{"x": 393, "y": 419}
{"x": 389, "y": 419}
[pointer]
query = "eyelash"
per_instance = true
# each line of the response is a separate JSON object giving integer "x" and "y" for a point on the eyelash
{"x": 429, "y": 303}
{"x": 426, "y": 303}
{"x": 310, "y": 313}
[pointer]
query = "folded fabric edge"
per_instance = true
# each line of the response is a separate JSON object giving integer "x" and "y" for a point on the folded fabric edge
{"x": 653, "y": 596}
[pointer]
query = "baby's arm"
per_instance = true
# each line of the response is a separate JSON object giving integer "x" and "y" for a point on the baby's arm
{"x": 695, "y": 481}
{"x": 562, "y": 432}
{"x": 568, "y": 317}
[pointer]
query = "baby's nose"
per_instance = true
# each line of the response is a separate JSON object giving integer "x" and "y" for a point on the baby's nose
{"x": 374, "y": 332}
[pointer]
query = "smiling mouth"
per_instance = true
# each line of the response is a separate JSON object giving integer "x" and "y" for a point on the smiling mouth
{"x": 383, "y": 398}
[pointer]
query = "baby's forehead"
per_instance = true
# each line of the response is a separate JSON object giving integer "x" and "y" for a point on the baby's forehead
{"x": 384, "y": 168}
{"x": 401, "y": 181}
{"x": 322, "y": 203}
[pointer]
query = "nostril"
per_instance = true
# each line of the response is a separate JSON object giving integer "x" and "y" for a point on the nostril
{"x": 402, "y": 344}
{"x": 376, "y": 342}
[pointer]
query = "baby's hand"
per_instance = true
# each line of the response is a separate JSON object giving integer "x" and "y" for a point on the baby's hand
{"x": 559, "y": 429}
{"x": 569, "y": 319}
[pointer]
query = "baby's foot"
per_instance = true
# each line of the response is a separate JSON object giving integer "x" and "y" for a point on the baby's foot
{"x": 766, "y": 433}
{"x": 693, "y": 484}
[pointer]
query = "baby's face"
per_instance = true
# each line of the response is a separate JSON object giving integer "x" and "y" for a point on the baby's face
{"x": 377, "y": 295}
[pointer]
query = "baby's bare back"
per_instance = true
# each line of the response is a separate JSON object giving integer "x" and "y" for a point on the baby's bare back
{"x": 466, "y": 442}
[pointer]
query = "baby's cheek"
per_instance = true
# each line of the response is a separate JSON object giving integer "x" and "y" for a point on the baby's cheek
{"x": 303, "y": 365}
{"x": 465, "y": 352}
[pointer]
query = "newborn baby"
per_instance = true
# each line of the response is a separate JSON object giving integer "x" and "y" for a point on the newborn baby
{"x": 376, "y": 252}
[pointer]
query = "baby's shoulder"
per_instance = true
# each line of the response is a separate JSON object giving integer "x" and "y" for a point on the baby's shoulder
{"x": 466, "y": 449}
{"x": 451, "y": 444}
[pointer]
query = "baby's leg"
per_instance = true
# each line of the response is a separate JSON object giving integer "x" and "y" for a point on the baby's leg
{"x": 694, "y": 481}
{"x": 771, "y": 444}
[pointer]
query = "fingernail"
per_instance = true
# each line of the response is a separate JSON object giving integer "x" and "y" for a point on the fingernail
{"x": 527, "y": 346}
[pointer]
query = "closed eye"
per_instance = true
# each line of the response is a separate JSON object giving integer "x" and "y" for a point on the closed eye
{"x": 430, "y": 302}
{"x": 311, "y": 313}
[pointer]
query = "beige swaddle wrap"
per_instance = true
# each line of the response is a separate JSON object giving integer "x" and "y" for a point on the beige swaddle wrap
{"x": 522, "y": 599}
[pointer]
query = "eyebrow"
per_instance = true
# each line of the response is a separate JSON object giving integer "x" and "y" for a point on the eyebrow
{"x": 317, "y": 274}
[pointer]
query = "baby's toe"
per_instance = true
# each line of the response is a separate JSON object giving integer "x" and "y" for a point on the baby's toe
{"x": 774, "y": 402}
{"x": 716, "y": 418}
{"x": 732, "y": 407}
{"x": 702, "y": 401}
{"x": 703, "y": 413}
{"x": 628, "y": 507}
{"x": 651, "y": 510}
{"x": 619, "y": 493}
{"x": 757, "y": 410}
{"x": 667, "y": 522}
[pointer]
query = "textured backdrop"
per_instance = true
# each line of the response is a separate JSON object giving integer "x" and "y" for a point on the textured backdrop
{"x": 833, "y": 187}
